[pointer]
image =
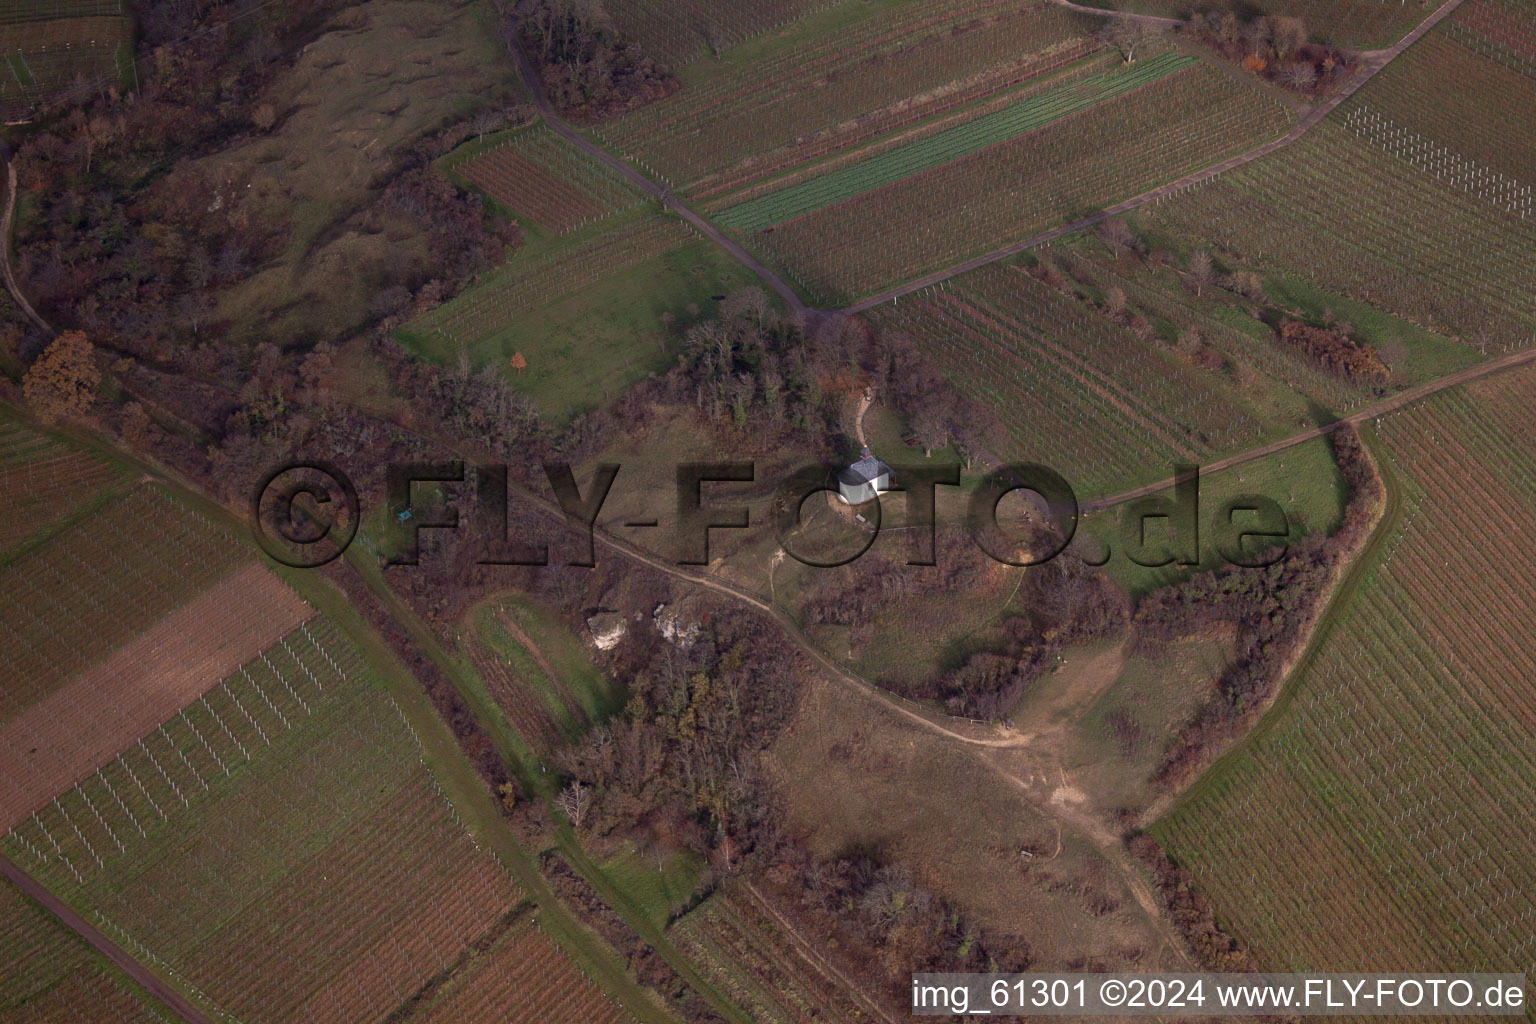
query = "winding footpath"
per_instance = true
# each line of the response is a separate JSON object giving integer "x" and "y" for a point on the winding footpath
{"x": 1017, "y": 759}
{"x": 5, "y": 243}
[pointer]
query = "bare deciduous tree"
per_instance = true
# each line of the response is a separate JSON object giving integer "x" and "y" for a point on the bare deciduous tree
{"x": 931, "y": 426}
{"x": 1248, "y": 375}
{"x": 1201, "y": 272}
{"x": 668, "y": 325}
{"x": 1395, "y": 355}
{"x": 1299, "y": 76}
{"x": 1251, "y": 286}
{"x": 193, "y": 308}
{"x": 1126, "y": 35}
{"x": 1117, "y": 235}
{"x": 1286, "y": 35}
{"x": 1228, "y": 30}
{"x": 742, "y": 390}
{"x": 575, "y": 801}
{"x": 718, "y": 38}
{"x": 485, "y": 122}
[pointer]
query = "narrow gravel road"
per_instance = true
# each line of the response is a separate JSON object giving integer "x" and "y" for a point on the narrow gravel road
{"x": 147, "y": 979}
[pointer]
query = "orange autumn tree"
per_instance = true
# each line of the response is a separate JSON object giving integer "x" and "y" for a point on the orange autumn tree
{"x": 518, "y": 362}
{"x": 62, "y": 382}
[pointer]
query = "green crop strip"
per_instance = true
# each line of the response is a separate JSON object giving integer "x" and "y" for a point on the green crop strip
{"x": 950, "y": 144}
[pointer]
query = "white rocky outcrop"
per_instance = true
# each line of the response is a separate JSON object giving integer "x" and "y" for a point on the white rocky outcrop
{"x": 675, "y": 627}
{"x": 607, "y": 629}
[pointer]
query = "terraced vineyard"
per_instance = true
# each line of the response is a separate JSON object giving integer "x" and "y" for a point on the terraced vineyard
{"x": 1028, "y": 114}
{"x": 676, "y": 32}
{"x": 1079, "y": 163}
{"x": 1075, "y": 392}
{"x": 1390, "y": 793}
{"x": 521, "y": 286}
{"x": 525, "y": 711}
{"x": 742, "y": 949}
{"x": 524, "y": 979}
{"x": 68, "y": 603}
{"x": 41, "y": 480}
{"x": 279, "y": 847}
{"x": 47, "y": 974}
{"x": 540, "y": 175}
{"x": 809, "y": 99}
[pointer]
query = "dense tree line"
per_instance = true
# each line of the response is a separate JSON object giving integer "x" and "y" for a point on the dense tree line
{"x": 767, "y": 378}
{"x": 938, "y": 413}
{"x": 1335, "y": 350}
{"x": 273, "y": 407}
{"x": 1331, "y": 344}
{"x": 1272, "y": 608}
{"x": 1067, "y": 603}
{"x": 757, "y": 374}
{"x": 886, "y": 925}
{"x": 683, "y": 753}
{"x": 647, "y": 965}
{"x": 858, "y": 593}
{"x": 1116, "y": 306}
{"x": 467, "y": 729}
{"x": 589, "y": 72}
{"x": 1274, "y": 47}
{"x": 1190, "y": 911}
